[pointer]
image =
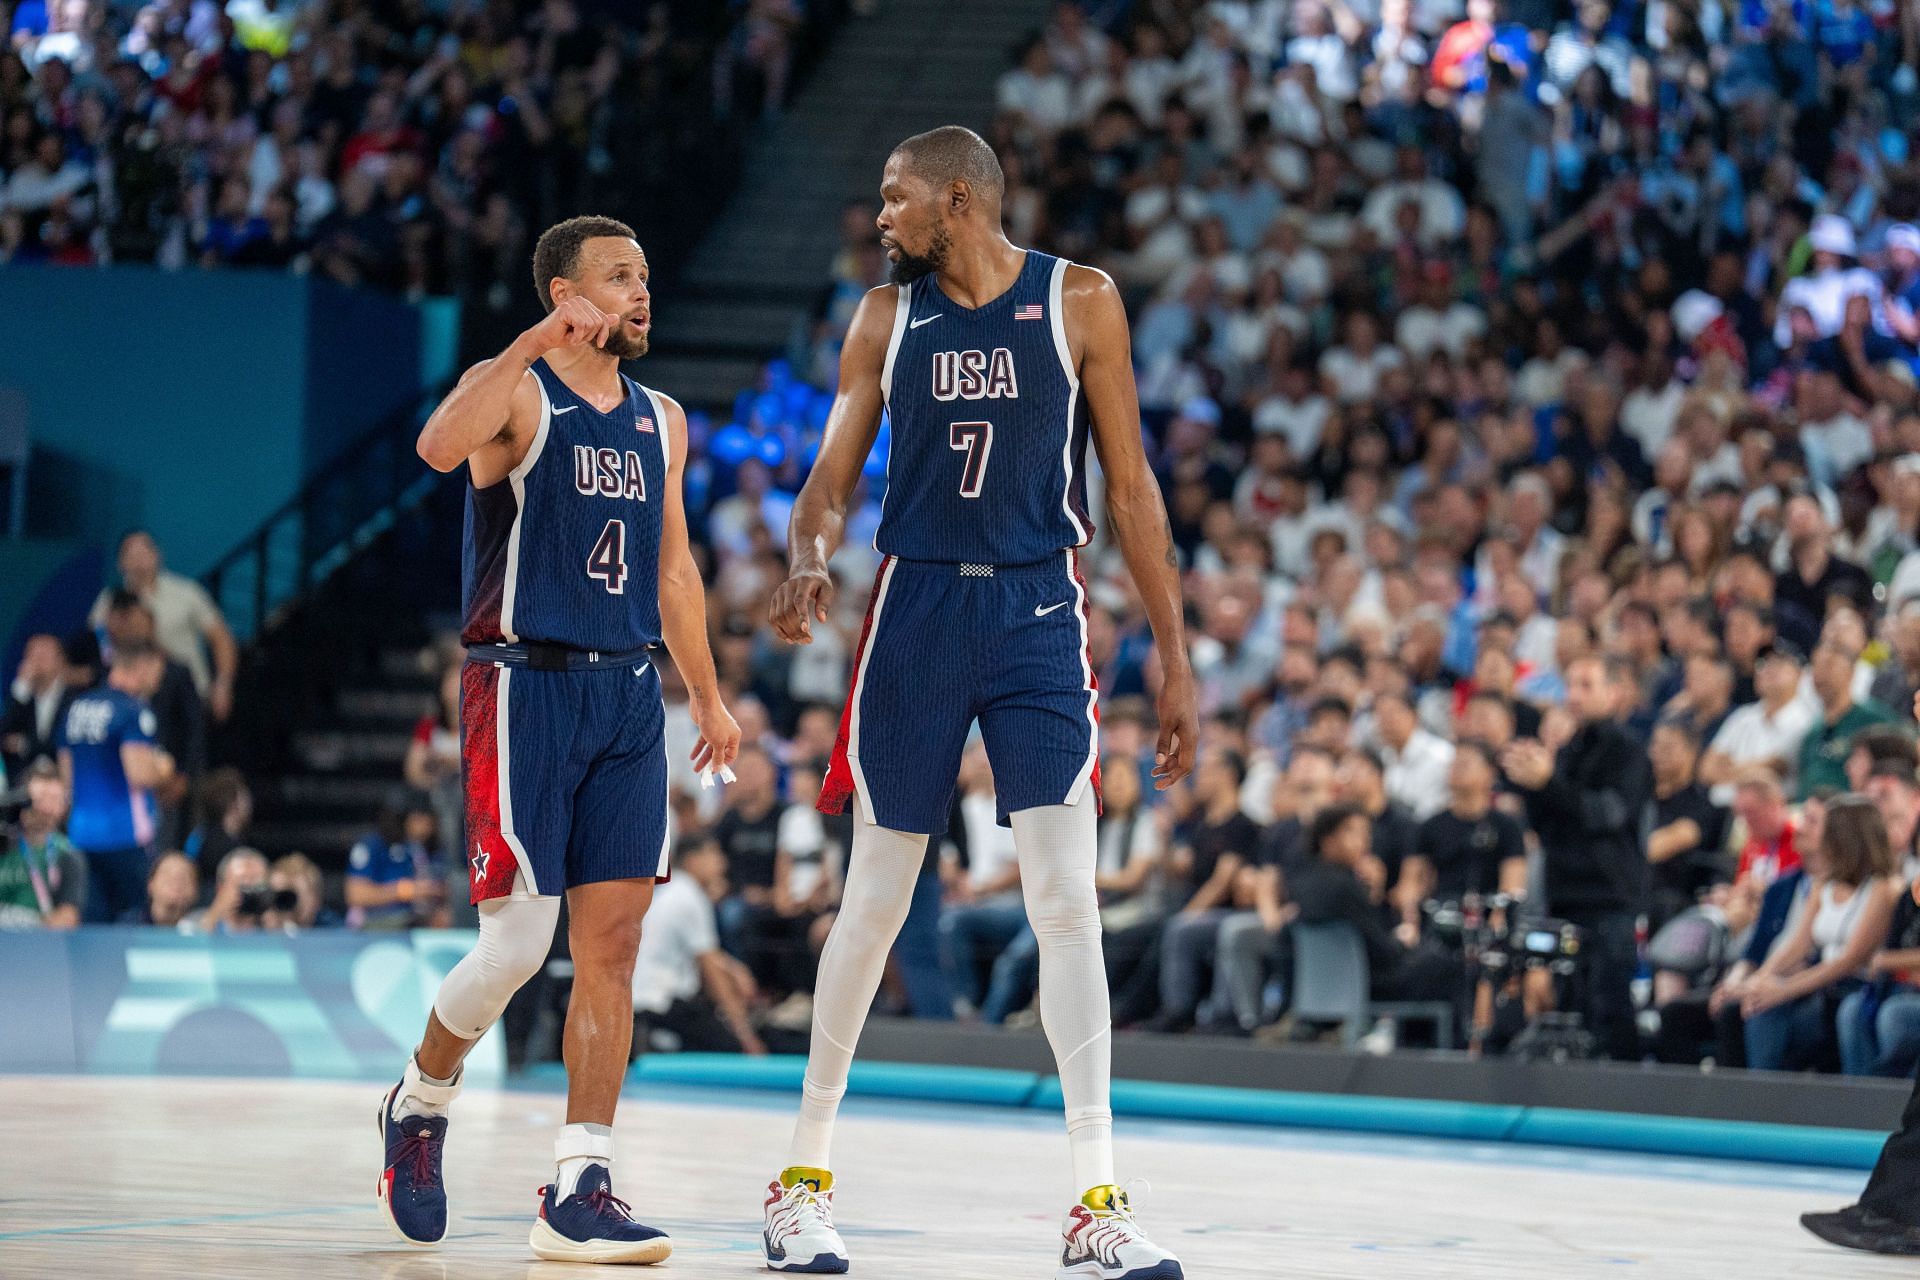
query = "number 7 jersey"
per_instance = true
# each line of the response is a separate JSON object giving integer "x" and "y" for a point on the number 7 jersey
{"x": 989, "y": 429}
{"x": 566, "y": 549}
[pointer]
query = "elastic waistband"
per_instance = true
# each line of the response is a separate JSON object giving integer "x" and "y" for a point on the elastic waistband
{"x": 1059, "y": 562}
{"x": 555, "y": 657}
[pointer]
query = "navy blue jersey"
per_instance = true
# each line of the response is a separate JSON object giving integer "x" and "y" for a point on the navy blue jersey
{"x": 987, "y": 464}
{"x": 566, "y": 549}
{"x": 109, "y": 813}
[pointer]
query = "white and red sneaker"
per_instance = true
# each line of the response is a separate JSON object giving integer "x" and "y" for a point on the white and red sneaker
{"x": 799, "y": 1234}
{"x": 1103, "y": 1242}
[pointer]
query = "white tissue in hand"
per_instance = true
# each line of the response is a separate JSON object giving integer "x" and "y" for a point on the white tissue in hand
{"x": 706, "y": 776}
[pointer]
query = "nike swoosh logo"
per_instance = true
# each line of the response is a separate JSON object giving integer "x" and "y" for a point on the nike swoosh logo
{"x": 569, "y": 409}
{"x": 915, "y": 324}
{"x": 1038, "y": 612}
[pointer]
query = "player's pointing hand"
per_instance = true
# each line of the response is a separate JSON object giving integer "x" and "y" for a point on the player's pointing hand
{"x": 575, "y": 322}
{"x": 799, "y": 602}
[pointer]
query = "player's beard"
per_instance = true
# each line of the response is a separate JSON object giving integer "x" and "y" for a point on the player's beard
{"x": 624, "y": 344}
{"x": 911, "y": 266}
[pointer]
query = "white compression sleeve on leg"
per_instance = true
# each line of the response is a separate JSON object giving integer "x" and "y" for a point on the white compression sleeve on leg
{"x": 515, "y": 936}
{"x": 1057, "y": 848}
{"x": 881, "y": 871}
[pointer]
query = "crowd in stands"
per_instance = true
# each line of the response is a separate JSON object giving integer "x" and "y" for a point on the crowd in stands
{"x": 404, "y": 145}
{"x": 1533, "y": 389}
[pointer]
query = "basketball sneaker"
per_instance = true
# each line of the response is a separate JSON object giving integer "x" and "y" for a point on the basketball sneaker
{"x": 594, "y": 1225}
{"x": 799, "y": 1234}
{"x": 1103, "y": 1242}
{"x": 410, "y": 1191}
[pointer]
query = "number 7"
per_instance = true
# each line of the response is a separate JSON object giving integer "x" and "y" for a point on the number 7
{"x": 975, "y": 439}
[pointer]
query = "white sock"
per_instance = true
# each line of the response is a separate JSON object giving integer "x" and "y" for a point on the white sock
{"x": 1057, "y": 847}
{"x": 423, "y": 1095}
{"x": 881, "y": 871}
{"x": 578, "y": 1146}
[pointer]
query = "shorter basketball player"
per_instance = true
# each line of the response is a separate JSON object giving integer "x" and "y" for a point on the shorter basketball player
{"x": 576, "y": 567}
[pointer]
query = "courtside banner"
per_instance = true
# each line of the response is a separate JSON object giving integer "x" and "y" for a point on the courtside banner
{"x": 136, "y": 1001}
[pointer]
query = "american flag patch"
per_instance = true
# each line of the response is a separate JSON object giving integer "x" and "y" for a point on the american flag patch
{"x": 643, "y": 424}
{"x": 1029, "y": 312}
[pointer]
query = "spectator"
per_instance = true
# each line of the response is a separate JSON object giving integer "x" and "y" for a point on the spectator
{"x": 753, "y": 927}
{"x": 43, "y": 878}
{"x": 188, "y": 626}
{"x": 1879, "y": 1025}
{"x": 684, "y": 986}
{"x": 1790, "y": 1004}
{"x": 34, "y": 702}
{"x": 1337, "y": 887}
{"x": 1773, "y": 846}
{"x": 1823, "y": 752}
{"x": 1468, "y": 848}
{"x": 1416, "y": 760}
{"x": 433, "y": 763}
{"x": 180, "y": 719}
{"x": 1361, "y": 784}
{"x": 392, "y": 879}
{"x": 984, "y": 914}
{"x": 1766, "y": 732}
{"x": 1589, "y": 805}
{"x": 109, "y": 759}
{"x": 173, "y": 891}
{"x": 226, "y": 811}
{"x": 1216, "y": 843}
{"x": 1687, "y": 844}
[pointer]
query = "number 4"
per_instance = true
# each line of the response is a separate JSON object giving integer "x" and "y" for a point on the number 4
{"x": 608, "y": 559}
{"x": 975, "y": 439}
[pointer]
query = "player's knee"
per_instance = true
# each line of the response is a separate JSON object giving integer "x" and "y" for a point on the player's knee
{"x": 607, "y": 945}
{"x": 1062, "y": 905}
{"x": 514, "y": 945}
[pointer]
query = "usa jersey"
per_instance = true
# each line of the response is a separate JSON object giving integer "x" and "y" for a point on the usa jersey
{"x": 109, "y": 813}
{"x": 989, "y": 426}
{"x": 566, "y": 549}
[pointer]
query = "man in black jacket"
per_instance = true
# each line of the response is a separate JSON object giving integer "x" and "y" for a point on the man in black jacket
{"x": 1591, "y": 807}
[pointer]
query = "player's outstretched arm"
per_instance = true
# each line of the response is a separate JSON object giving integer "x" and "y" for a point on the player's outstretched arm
{"x": 488, "y": 411}
{"x": 819, "y": 522}
{"x": 683, "y": 610}
{"x": 1097, "y": 330}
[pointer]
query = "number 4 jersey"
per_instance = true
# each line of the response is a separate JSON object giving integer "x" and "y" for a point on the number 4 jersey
{"x": 566, "y": 549}
{"x": 989, "y": 429}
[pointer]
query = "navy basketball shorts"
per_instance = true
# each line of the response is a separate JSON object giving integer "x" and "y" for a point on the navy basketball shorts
{"x": 566, "y": 776}
{"x": 944, "y": 645}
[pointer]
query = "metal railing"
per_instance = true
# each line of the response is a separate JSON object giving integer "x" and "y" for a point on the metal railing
{"x": 337, "y": 514}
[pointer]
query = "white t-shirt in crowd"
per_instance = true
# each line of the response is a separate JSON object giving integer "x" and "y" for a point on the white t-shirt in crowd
{"x": 989, "y": 845}
{"x": 1357, "y": 377}
{"x": 680, "y": 928}
{"x": 182, "y": 614}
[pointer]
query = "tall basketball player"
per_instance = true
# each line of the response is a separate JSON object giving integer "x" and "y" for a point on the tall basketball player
{"x": 575, "y": 567}
{"x": 990, "y": 360}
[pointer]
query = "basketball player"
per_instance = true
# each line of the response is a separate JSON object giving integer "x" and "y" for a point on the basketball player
{"x": 575, "y": 565}
{"x": 990, "y": 360}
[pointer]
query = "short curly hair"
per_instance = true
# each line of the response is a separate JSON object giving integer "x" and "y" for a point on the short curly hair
{"x": 558, "y": 252}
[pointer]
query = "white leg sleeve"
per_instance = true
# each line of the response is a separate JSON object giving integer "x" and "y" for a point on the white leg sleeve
{"x": 881, "y": 871}
{"x": 1057, "y": 848}
{"x": 515, "y": 936}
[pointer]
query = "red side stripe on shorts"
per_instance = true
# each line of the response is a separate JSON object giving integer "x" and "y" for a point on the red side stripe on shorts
{"x": 836, "y": 789}
{"x": 1093, "y": 679}
{"x": 490, "y": 861}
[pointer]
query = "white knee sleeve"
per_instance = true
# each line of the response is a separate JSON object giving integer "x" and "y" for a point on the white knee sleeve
{"x": 515, "y": 936}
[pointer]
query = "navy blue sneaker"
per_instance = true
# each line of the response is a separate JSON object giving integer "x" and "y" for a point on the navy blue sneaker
{"x": 411, "y": 1193}
{"x": 594, "y": 1225}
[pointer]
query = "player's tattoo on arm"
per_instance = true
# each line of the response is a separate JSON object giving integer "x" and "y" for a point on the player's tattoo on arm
{"x": 1173, "y": 560}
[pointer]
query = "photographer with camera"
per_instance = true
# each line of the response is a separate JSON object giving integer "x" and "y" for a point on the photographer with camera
{"x": 242, "y": 897}
{"x": 1591, "y": 806}
{"x": 43, "y": 878}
